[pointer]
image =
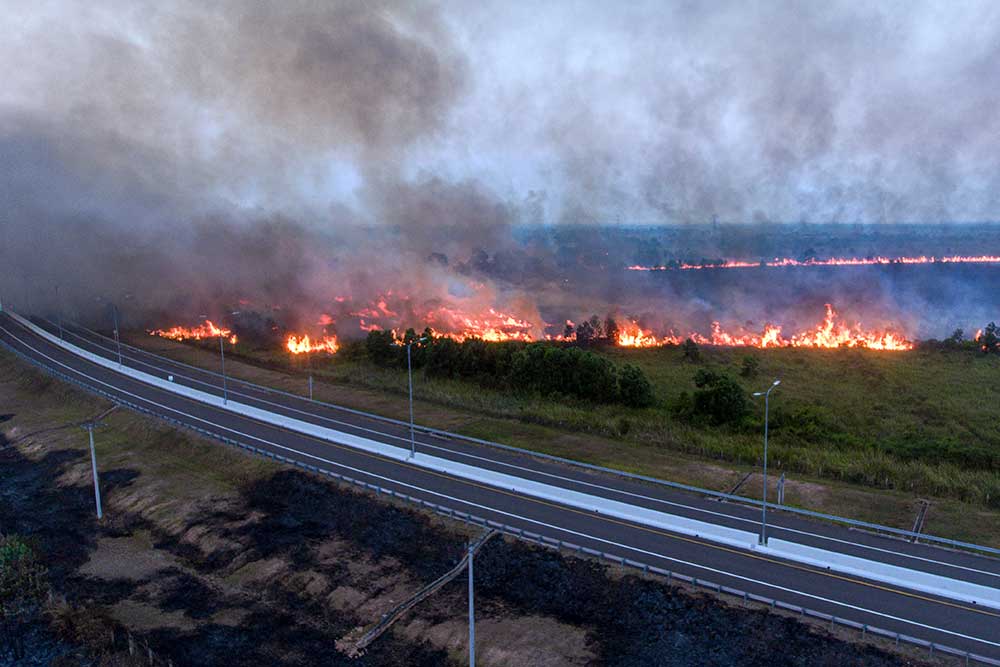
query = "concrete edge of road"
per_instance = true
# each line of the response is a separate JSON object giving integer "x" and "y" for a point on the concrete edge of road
{"x": 544, "y": 541}
{"x": 891, "y": 574}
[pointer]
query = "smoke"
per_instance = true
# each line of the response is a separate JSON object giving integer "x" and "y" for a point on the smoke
{"x": 190, "y": 157}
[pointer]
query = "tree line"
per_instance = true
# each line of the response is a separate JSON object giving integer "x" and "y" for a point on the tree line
{"x": 544, "y": 368}
{"x": 986, "y": 340}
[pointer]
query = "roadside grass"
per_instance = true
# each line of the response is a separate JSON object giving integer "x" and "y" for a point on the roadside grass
{"x": 857, "y": 481}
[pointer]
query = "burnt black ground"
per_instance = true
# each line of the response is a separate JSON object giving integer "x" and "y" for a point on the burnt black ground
{"x": 281, "y": 628}
{"x": 630, "y": 621}
{"x": 642, "y": 622}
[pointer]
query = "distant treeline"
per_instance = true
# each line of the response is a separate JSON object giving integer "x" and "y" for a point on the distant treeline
{"x": 544, "y": 368}
{"x": 986, "y": 340}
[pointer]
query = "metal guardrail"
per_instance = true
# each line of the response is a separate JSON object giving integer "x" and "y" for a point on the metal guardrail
{"x": 855, "y": 523}
{"x": 538, "y": 538}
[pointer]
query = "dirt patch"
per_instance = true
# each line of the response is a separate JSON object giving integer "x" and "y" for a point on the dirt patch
{"x": 126, "y": 557}
{"x": 539, "y": 641}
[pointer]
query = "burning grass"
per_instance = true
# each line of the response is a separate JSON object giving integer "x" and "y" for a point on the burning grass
{"x": 831, "y": 333}
{"x": 782, "y": 262}
{"x": 199, "y": 332}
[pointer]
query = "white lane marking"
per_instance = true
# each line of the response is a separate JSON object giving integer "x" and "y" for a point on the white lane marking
{"x": 509, "y": 514}
{"x": 405, "y": 441}
{"x": 517, "y": 516}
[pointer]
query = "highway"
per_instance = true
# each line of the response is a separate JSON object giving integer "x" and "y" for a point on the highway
{"x": 896, "y": 606}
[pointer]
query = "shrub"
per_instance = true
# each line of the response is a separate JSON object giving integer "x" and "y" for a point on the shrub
{"x": 691, "y": 352}
{"x": 22, "y": 588}
{"x": 719, "y": 399}
{"x": 989, "y": 340}
{"x": 538, "y": 367}
{"x": 634, "y": 387}
{"x": 381, "y": 347}
{"x": 750, "y": 366}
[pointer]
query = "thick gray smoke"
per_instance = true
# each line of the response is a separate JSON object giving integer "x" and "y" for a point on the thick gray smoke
{"x": 193, "y": 156}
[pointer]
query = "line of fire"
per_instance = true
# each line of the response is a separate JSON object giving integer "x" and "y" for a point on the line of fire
{"x": 831, "y": 332}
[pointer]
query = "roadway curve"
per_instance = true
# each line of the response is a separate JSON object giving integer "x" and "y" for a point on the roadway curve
{"x": 963, "y": 626}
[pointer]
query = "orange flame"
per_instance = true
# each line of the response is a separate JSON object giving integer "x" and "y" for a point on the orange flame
{"x": 493, "y": 326}
{"x": 833, "y": 261}
{"x": 828, "y": 334}
{"x": 303, "y": 344}
{"x": 202, "y": 331}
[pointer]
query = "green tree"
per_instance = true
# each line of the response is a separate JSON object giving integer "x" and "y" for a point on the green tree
{"x": 989, "y": 340}
{"x": 719, "y": 399}
{"x": 691, "y": 351}
{"x": 634, "y": 388}
{"x": 584, "y": 333}
{"x": 381, "y": 347}
{"x": 750, "y": 366}
{"x": 611, "y": 329}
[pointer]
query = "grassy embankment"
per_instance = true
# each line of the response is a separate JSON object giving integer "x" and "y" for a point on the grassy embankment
{"x": 216, "y": 557}
{"x": 859, "y": 433}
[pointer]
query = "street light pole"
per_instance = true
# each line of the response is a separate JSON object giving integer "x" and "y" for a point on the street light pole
{"x": 309, "y": 363}
{"x": 118, "y": 340}
{"x": 93, "y": 464}
{"x": 222, "y": 354}
{"x": 59, "y": 312}
{"x": 472, "y": 613}
{"x": 409, "y": 373}
{"x": 763, "y": 516}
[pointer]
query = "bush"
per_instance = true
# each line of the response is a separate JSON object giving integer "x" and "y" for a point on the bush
{"x": 691, "y": 352}
{"x": 989, "y": 339}
{"x": 381, "y": 347}
{"x": 537, "y": 367}
{"x": 719, "y": 399}
{"x": 750, "y": 366}
{"x": 634, "y": 387}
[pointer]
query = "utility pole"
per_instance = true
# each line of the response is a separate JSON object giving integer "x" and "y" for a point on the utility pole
{"x": 472, "y": 612}
{"x": 93, "y": 465}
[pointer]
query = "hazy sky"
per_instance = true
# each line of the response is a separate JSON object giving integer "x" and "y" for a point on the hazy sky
{"x": 635, "y": 112}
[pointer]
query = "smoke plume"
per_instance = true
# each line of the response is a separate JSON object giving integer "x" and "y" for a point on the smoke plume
{"x": 444, "y": 159}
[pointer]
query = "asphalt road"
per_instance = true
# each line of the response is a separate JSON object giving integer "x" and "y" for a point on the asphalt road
{"x": 891, "y": 607}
